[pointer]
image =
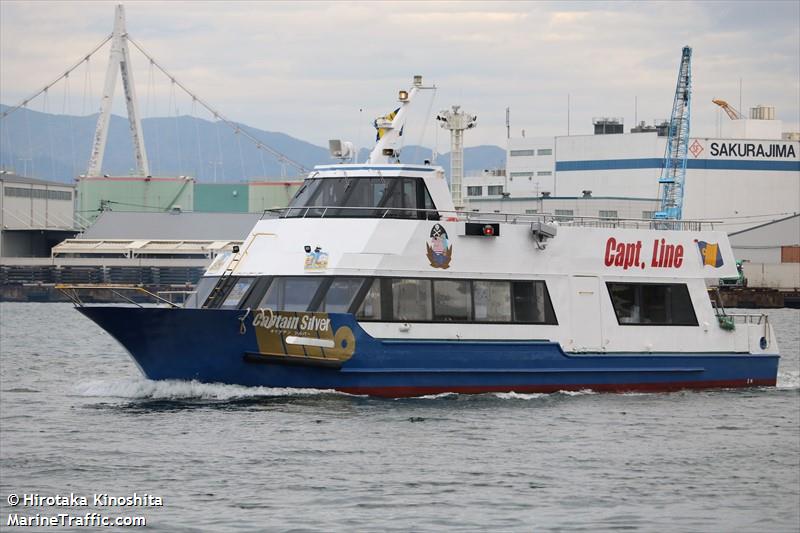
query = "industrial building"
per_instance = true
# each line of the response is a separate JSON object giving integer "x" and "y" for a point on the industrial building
{"x": 158, "y": 233}
{"x": 742, "y": 180}
{"x": 163, "y": 252}
{"x": 183, "y": 193}
{"x": 35, "y": 215}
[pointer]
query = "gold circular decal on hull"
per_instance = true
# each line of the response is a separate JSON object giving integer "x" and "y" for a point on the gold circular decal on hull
{"x": 344, "y": 343}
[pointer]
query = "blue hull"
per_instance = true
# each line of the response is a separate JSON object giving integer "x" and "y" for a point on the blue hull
{"x": 210, "y": 345}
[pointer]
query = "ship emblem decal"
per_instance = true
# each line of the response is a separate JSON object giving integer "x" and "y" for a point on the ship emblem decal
{"x": 440, "y": 251}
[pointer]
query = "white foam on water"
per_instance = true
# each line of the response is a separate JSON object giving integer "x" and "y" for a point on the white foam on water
{"x": 431, "y": 396}
{"x": 145, "y": 389}
{"x": 789, "y": 379}
{"x": 519, "y": 396}
{"x": 582, "y": 392}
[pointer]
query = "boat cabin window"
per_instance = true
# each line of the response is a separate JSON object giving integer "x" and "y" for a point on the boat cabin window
{"x": 653, "y": 304}
{"x": 492, "y": 301}
{"x": 370, "y": 308}
{"x": 532, "y": 303}
{"x": 411, "y": 300}
{"x": 204, "y": 287}
{"x": 395, "y": 299}
{"x": 452, "y": 301}
{"x": 370, "y": 197}
{"x": 237, "y": 293}
{"x": 291, "y": 293}
{"x": 340, "y": 295}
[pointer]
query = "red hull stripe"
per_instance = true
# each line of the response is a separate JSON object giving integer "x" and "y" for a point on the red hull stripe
{"x": 400, "y": 392}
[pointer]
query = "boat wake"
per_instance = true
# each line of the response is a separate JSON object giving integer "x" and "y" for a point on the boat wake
{"x": 145, "y": 389}
{"x": 789, "y": 379}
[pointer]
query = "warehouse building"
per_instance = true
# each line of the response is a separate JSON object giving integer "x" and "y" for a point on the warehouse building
{"x": 746, "y": 177}
{"x": 35, "y": 215}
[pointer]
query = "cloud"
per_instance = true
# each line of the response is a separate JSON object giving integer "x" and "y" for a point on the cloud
{"x": 320, "y": 70}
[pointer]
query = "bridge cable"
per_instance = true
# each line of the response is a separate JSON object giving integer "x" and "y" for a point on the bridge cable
{"x": 173, "y": 97}
{"x": 425, "y": 123}
{"x": 64, "y": 111}
{"x": 197, "y": 138}
{"x": 275, "y": 153}
{"x": 48, "y": 121}
{"x": 221, "y": 161}
{"x": 46, "y": 87}
{"x": 241, "y": 154}
{"x": 30, "y": 144}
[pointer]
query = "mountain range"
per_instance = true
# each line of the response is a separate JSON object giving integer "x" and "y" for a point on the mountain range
{"x": 56, "y": 147}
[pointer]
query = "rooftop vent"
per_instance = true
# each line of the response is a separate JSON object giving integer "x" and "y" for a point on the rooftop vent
{"x": 762, "y": 112}
{"x": 607, "y": 125}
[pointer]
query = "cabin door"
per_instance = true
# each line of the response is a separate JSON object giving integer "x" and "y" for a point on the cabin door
{"x": 586, "y": 317}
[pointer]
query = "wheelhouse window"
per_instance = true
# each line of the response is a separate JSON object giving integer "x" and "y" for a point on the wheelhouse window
{"x": 370, "y": 197}
{"x": 654, "y": 304}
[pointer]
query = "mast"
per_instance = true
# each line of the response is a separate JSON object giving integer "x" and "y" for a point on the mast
{"x": 390, "y": 128}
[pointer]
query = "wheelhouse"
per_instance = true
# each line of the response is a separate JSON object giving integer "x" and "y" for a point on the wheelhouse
{"x": 363, "y": 196}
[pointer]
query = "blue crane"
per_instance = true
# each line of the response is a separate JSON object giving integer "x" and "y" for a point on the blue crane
{"x": 673, "y": 175}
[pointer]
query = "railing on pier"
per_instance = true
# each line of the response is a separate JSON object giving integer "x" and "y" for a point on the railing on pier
{"x": 486, "y": 218}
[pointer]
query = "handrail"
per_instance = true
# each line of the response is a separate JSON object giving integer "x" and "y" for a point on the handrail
{"x": 475, "y": 216}
{"x": 72, "y": 292}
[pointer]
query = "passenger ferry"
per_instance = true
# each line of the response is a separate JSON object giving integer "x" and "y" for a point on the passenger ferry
{"x": 372, "y": 282}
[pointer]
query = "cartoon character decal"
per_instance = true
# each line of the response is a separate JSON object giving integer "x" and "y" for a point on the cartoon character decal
{"x": 316, "y": 260}
{"x": 440, "y": 251}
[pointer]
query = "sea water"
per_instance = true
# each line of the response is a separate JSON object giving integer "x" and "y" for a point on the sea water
{"x": 78, "y": 420}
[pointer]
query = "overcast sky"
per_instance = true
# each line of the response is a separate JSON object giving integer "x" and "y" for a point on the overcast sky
{"x": 321, "y": 70}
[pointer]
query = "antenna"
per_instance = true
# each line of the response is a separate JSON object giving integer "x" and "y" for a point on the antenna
{"x": 567, "y": 115}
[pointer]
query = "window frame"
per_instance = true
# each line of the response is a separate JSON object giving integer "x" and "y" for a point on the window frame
{"x": 395, "y": 189}
{"x": 259, "y": 288}
{"x": 684, "y": 286}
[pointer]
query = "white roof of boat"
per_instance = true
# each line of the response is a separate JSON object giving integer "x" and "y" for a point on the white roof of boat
{"x": 366, "y": 168}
